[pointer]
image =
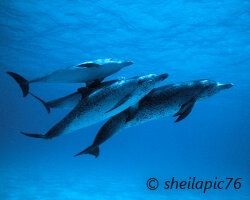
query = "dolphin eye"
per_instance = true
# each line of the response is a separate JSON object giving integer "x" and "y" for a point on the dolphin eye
{"x": 140, "y": 81}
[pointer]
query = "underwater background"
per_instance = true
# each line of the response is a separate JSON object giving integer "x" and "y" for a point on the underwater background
{"x": 188, "y": 39}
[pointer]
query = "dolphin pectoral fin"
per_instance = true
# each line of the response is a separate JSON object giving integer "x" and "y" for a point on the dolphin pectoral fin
{"x": 92, "y": 150}
{"x": 91, "y": 87}
{"x": 82, "y": 90}
{"x": 122, "y": 101}
{"x": 88, "y": 83}
{"x": 85, "y": 91}
{"x": 35, "y": 135}
{"x": 181, "y": 111}
{"x": 184, "y": 115}
{"x": 47, "y": 107}
{"x": 95, "y": 83}
{"x": 178, "y": 113}
{"x": 88, "y": 65}
{"x": 23, "y": 83}
{"x": 185, "y": 110}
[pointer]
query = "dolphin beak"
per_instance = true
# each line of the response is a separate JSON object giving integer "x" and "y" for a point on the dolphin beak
{"x": 162, "y": 77}
{"x": 127, "y": 63}
{"x": 225, "y": 86}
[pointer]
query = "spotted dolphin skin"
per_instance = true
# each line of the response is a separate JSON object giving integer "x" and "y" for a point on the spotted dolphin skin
{"x": 87, "y": 72}
{"x": 104, "y": 103}
{"x": 71, "y": 100}
{"x": 175, "y": 99}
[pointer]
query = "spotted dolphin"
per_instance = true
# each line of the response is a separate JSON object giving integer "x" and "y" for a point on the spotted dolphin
{"x": 175, "y": 99}
{"x": 104, "y": 103}
{"x": 86, "y": 72}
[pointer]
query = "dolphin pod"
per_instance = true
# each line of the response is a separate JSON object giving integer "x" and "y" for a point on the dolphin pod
{"x": 127, "y": 102}
{"x": 175, "y": 99}
{"x": 103, "y": 103}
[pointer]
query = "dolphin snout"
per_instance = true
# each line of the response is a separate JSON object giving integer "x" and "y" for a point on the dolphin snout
{"x": 127, "y": 63}
{"x": 229, "y": 85}
{"x": 162, "y": 77}
{"x": 226, "y": 86}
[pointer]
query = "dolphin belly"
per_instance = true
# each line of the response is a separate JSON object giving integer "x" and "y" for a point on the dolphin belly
{"x": 75, "y": 75}
{"x": 146, "y": 115}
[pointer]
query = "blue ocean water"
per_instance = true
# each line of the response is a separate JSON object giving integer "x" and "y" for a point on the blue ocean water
{"x": 188, "y": 39}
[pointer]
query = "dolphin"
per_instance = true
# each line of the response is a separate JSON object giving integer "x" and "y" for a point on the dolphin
{"x": 174, "y": 99}
{"x": 104, "y": 103}
{"x": 87, "y": 72}
{"x": 71, "y": 100}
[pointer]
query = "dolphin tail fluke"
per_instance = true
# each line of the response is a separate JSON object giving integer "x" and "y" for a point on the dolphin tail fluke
{"x": 34, "y": 135}
{"x": 23, "y": 83}
{"x": 46, "y": 105}
{"x": 93, "y": 150}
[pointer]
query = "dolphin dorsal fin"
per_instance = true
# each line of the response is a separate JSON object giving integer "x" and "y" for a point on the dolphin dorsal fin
{"x": 88, "y": 65}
